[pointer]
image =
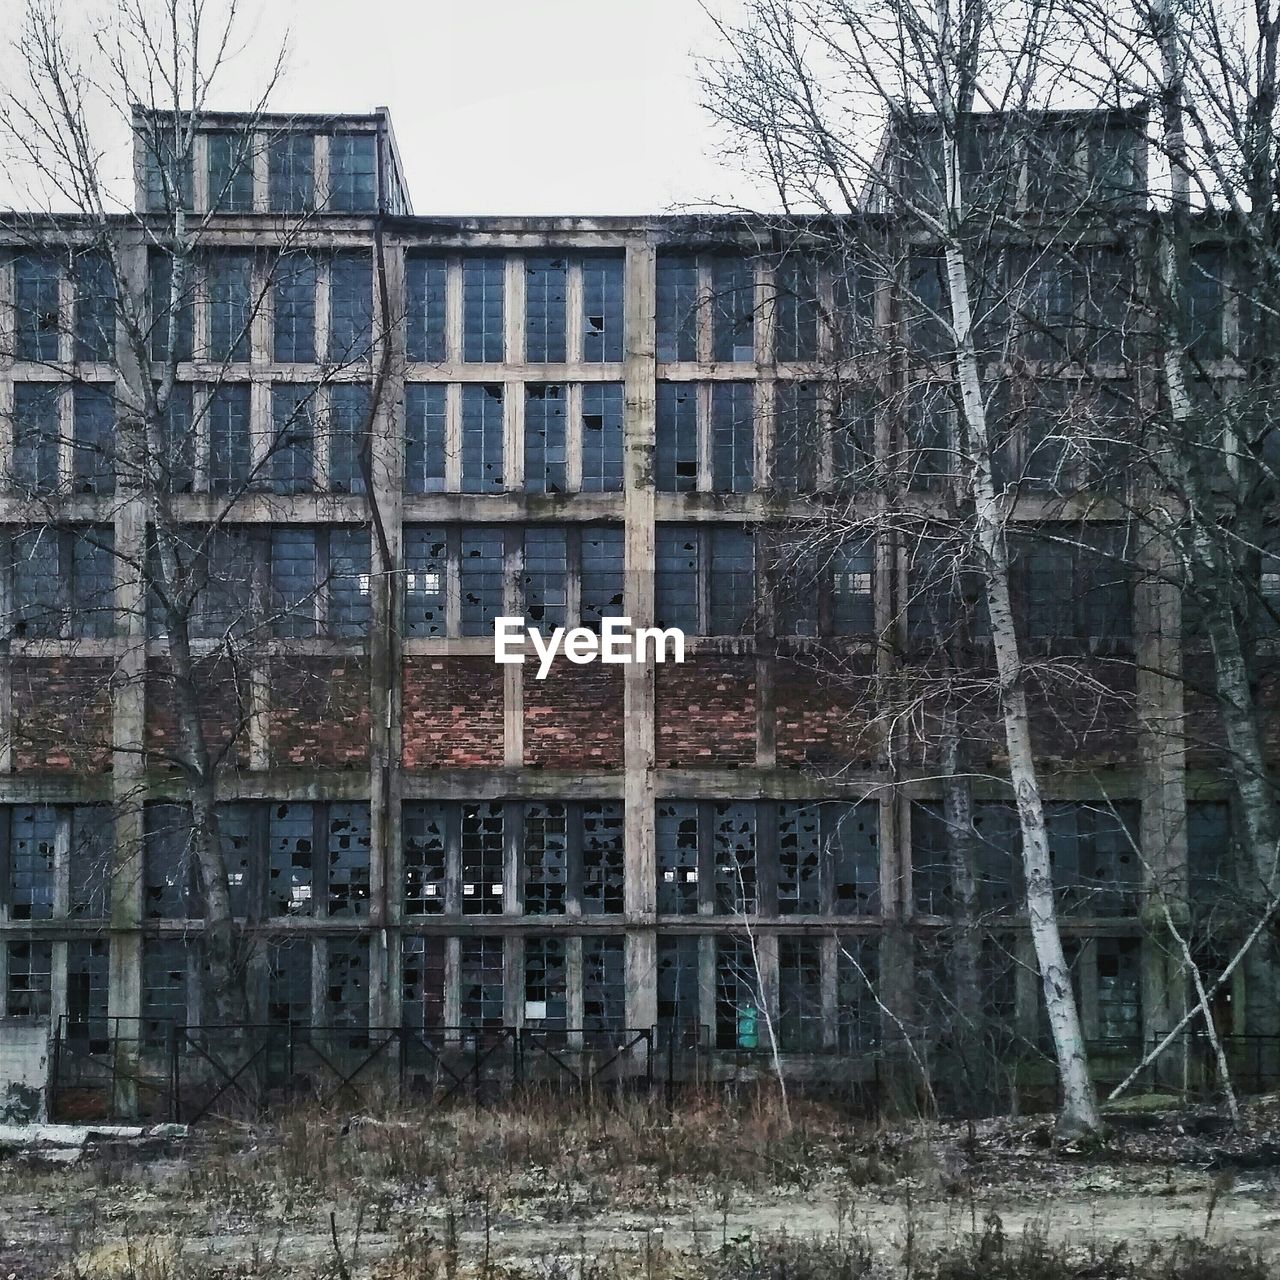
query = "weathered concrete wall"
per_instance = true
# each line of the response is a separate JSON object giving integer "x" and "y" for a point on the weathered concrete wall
{"x": 24, "y": 1069}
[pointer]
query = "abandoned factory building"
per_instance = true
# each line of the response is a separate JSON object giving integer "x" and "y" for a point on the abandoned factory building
{"x": 571, "y": 418}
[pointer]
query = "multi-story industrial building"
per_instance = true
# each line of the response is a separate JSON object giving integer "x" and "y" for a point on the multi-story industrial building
{"x": 571, "y": 418}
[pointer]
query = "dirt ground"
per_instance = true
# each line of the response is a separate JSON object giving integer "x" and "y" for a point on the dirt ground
{"x": 544, "y": 1193}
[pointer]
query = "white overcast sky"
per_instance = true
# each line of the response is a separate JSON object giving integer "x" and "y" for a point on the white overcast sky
{"x": 511, "y": 106}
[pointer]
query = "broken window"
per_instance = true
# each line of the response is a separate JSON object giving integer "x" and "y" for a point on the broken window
{"x": 95, "y": 306}
{"x": 36, "y": 436}
{"x": 675, "y": 459}
{"x": 30, "y": 982}
{"x": 426, "y": 553}
{"x": 603, "y": 863}
{"x": 426, "y": 307}
{"x": 677, "y": 307}
{"x": 855, "y": 850}
{"x": 546, "y": 858}
{"x": 291, "y": 173}
{"x": 289, "y": 983}
{"x": 230, "y": 157}
{"x": 1092, "y": 850}
{"x": 796, "y": 308}
{"x": 927, "y": 308}
{"x": 350, "y": 404}
{"x": 164, "y": 988}
{"x": 1119, "y": 963}
{"x": 88, "y": 975}
{"x": 32, "y": 839}
{"x": 677, "y": 856}
{"x": 353, "y": 173}
{"x": 990, "y": 851}
{"x": 172, "y": 315}
{"x": 739, "y": 1022}
{"x": 732, "y": 596}
{"x": 168, "y": 173}
{"x": 350, "y": 307}
{"x": 294, "y": 316}
{"x": 422, "y": 983}
{"x": 170, "y": 881}
{"x": 349, "y": 838}
{"x": 931, "y": 431}
{"x": 798, "y": 443}
{"x": 733, "y": 292}
{"x": 480, "y": 571}
{"x": 480, "y": 981}
{"x": 545, "y": 425}
{"x": 799, "y": 994}
{"x": 732, "y": 437}
{"x": 295, "y": 579}
{"x": 37, "y": 307}
{"x": 679, "y": 1021}
{"x": 349, "y": 582}
{"x": 90, "y": 861}
{"x": 93, "y": 439}
{"x": 801, "y": 856}
{"x": 604, "y": 985}
{"x": 1077, "y": 590}
{"x": 346, "y": 1002}
{"x": 291, "y": 859}
{"x": 293, "y": 447}
{"x": 483, "y": 858}
{"x": 483, "y": 317}
{"x": 601, "y": 578}
{"x": 857, "y": 1006}
{"x": 230, "y": 455}
{"x": 727, "y": 588}
{"x": 546, "y": 290}
{"x": 797, "y": 573}
{"x": 677, "y": 563}
{"x": 425, "y": 423}
{"x": 852, "y": 605}
{"x": 425, "y": 829}
{"x": 602, "y": 425}
{"x": 64, "y": 583}
{"x": 853, "y": 436}
{"x": 546, "y": 1005}
{"x": 238, "y": 836}
{"x": 229, "y": 283}
{"x": 226, "y": 560}
{"x": 482, "y": 436}
{"x": 545, "y": 578}
{"x": 733, "y": 844}
{"x": 602, "y": 309}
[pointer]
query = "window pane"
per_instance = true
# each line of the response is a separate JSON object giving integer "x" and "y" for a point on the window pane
{"x": 676, "y": 577}
{"x": 95, "y": 302}
{"x": 482, "y": 437}
{"x": 602, "y": 308}
{"x": 294, "y": 284}
{"x": 482, "y": 309}
{"x": 350, "y": 307}
{"x": 93, "y": 440}
{"x": 426, "y": 303}
{"x": 677, "y": 306}
{"x": 353, "y": 173}
{"x": 230, "y": 172}
{"x": 732, "y": 437}
{"x": 546, "y": 572}
{"x": 348, "y": 582}
{"x": 733, "y": 579}
{"x": 544, "y": 438}
{"x": 733, "y": 292}
{"x": 38, "y": 317}
{"x": 172, "y": 314}
{"x": 230, "y": 286}
{"x": 602, "y": 408}
{"x": 349, "y": 407}
{"x": 229, "y": 448}
{"x": 546, "y": 291}
{"x": 601, "y": 577}
{"x": 481, "y": 577}
{"x": 293, "y": 444}
{"x": 291, "y": 167}
{"x": 425, "y": 421}
{"x": 294, "y": 579}
{"x": 676, "y": 449}
{"x": 36, "y": 436}
{"x": 425, "y": 556}
{"x": 797, "y": 309}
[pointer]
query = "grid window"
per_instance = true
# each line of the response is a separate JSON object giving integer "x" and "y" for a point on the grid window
{"x": 177, "y": 449}
{"x": 293, "y": 445}
{"x": 172, "y": 310}
{"x": 229, "y": 281}
{"x": 798, "y": 441}
{"x": 348, "y": 869}
{"x": 425, "y": 829}
{"x": 853, "y": 434}
{"x": 95, "y": 303}
{"x": 989, "y": 850}
{"x": 289, "y": 983}
{"x": 854, "y": 841}
{"x": 852, "y": 609}
{"x": 350, "y": 405}
{"x": 731, "y": 598}
{"x": 349, "y": 582}
{"x": 800, "y": 859}
{"x": 1119, "y": 988}
{"x": 677, "y": 307}
{"x": 30, "y": 982}
{"x": 546, "y": 1004}
{"x": 480, "y": 980}
{"x": 733, "y": 845}
{"x": 797, "y": 309}
{"x": 36, "y": 436}
{"x": 603, "y": 868}
{"x": 32, "y": 838}
{"x": 64, "y": 583}
{"x": 857, "y": 1005}
{"x": 732, "y": 437}
{"x": 546, "y": 577}
{"x": 353, "y": 173}
{"x": 545, "y": 425}
{"x": 602, "y": 406}
{"x": 602, "y": 309}
{"x": 230, "y": 456}
{"x": 482, "y": 436}
{"x": 601, "y": 577}
{"x": 546, "y": 858}
{"x": 480, "y": 572}
{"x": 483, "y": 318}
{"x": 422, "y": 983}
{"x": 93, "y": 439}
{"x": 350, "y": 307}
{"x": 482, "y": 858}
{"x": 799, "y": 994}
{"x": 426, "y": 307}
{"x": 170, "y": 874}
{"x": 291, "y": 860}
{"x": 926, "y": 306}
{"x": 604, "y": 986}
{"x": 293, "y": 285}
{"x": 739, "y": 1024}
{"x": 223, "y": 572}
{"x": 346, "y": 1002}
{"x": 164, "y": 988}
{"x": 88, "y": 975}
{"x": 89, "y": 870}
{"x": 37, "y": 309}
{"x": 733, "y": 292}
{"x": 168, "y": 173}
{"x": 1205, "y": 305}
{"x": 676, "y": 445}
{"x": 237, "y": 836}
{"x": 546, "y": 291}
{"x": 230, "y": 157}
{"x": 677, "y": 564}
{"x": 295, "y": 579}
{"x": 291, "y": 170}
{"x": 426, "y": 554}
{"x": 679, "y": 1024}
{"x": 1096, "y": 867}
{"x": 425, "y": 419}
{"x": 676, "y": 841}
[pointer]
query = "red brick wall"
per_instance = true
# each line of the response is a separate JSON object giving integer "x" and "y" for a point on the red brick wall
{"x": 62, "y": 714}
{"x": 705, "y": 713}
{"x": 224, "y": 706}
{"x": 452, "y": 713}
{"x": 319, "y": 711}
{"x": 573, "y": 718}
{"x": 821, "y": 718}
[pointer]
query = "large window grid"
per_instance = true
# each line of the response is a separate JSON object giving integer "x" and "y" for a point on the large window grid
{"x": 320, "y": 580}
{"x": 705, "y": 579}
{"x": 63, "y": 582}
